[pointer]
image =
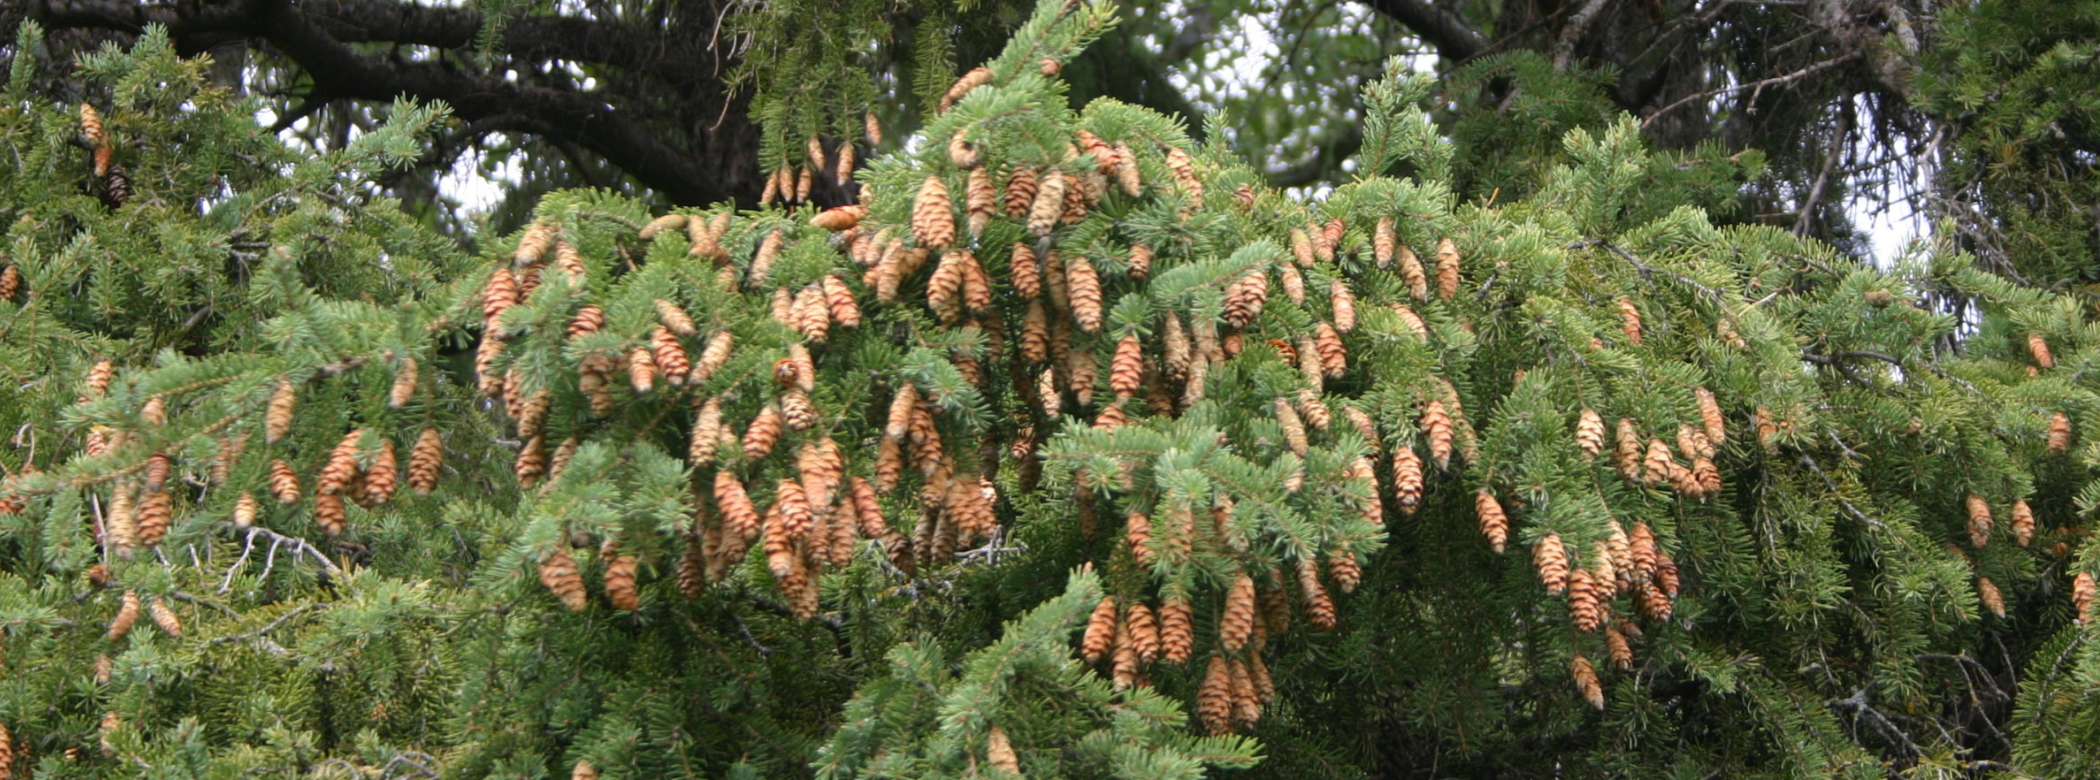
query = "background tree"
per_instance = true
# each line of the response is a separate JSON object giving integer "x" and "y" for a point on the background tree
{"x": 1070, "y": 440}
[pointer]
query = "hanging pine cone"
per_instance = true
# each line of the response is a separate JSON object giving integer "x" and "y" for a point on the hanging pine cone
{"x": 2059, "y": 433}
{"x": 2082, "y": 592}
{"x": 2039, "y": 348}
{"x": 763, "y": 433}
{"x": 381, "y": 478}
{"x": 1494, "y": 523}
{"x": 1100, "y": 631}
{"x": 2022, "y": 522}
{"x": 1551, "y": 560}
{"x": 933, "y": 215}
{"x": 739, "y": 516}
{"x": 1176, "y": 630}
{"x": 1716, "y": 424}
{"x": 999, "y": 752}
{"x": 619, "y": 583}
{"x": 424, "y": 461}
{"x": 1436, "y": 430}
{"x": 284, "y": 483}
{"x": 128, "y": 610}
{"x": 1245, "y": 298}
{"x": 1334, "y": 356}
{"x": 1407, "y": 479}
{"x": 164, "y": 617}
{"x": 1144, "y": 632}
{"x": 558, "y": 572}
{"x": 980, "y": 200}
{"x": 1246, "y": 702}
{"x": 1319, "y": 607}
{"x": 277, "y": 416}
{"x": 1584, "y": 603}
{"x": 1049, "y": 204}
{"x": 1657, "y": 465}
{"x": 1987, "y": 592}
{"x": 1236, "y": 623}
{"x": 1126, "y": 367}
{"x": 1184, "y": 169}
{"x": 1980, "y": 522}
{"x": 1214, "y": 698}
{"x": 1586, "y": 681}
{"x": 712, "y": 358}
{"x": 1630, "y": 321}
{"x": 1083, "y": 286}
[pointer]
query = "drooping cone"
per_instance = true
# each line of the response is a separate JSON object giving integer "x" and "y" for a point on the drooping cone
{"x": 1587, "y": 682}
{"x": 128, "y": 609}
{"x": 284, "y": 483}
{"x": 1447, "y": 259}
{"x": 1980, "y": 522}
{"x": 1407, "y": 479}
{"x": 933, "y": 215}
{"x": 277, "y": 418}
{"x": 1100, "y": 631}
{"x": 165, "y": 618}
{"x": 1987, "y": 592}
{"x": 2059, "y": 434}
{"x": 1494, "y": 523}
{"x": 1436, "y": 430}
{"x": 558, "y": 572}
{"x": 2022, "y": 522}
{"x": 1319, "y": 607}
{"x": 424, "y": 461}
{"x": 1630, "y": 321}
{"x": 1083, "y": 286}
{"x": 1214, "y": 698}
{"x": 1589, "y": 433}
{"x": 1176, "y": 630}
{"x": 1245, "y": 298}
{"x": 1585, "y": 605}
{"x": 1619, "y": 650}
{"x": 999, "y": 752}
{"x": 2082, "y": 592}
{"x": 1551, "y": 560}
{"x": 1236, "y": 623}
{"x": 619, "y": 583}
{"x": 2039, "y": 348}
{"x": 1710, "y": 416}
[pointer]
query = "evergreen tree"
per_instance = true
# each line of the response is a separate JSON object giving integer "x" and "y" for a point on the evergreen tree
{"x": 1070, "y": 449}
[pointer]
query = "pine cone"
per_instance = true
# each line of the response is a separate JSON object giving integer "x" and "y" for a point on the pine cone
{"x": 763, "y": 433}
{"x": 91, "y": 126}
{"x": 976, "y": 77}
{"x": 1642, "y": 553}
{"x": 1343, "y": 567}
{"x": 1126, "y": 170}
{"x": 1584, "y": 603}
{"x": 1301, "y": 248}
{"x": 498, "y": 295}
{"x": 2082, "y": 591}
{"x": 1083, "y": 286}
{"x": 1587, "y": 682}
{"x": 1334, "y": 357}
{"x": 558, "y": 572}
{"x": 1447, "y": 259}
{"x": 838, "y": 299}
{"x": 619, "y": 583}
{"x": 1319, "y": 607}
{"x": 381, "y": 479}
{"x": 1551, "y": 560}
{"x": 1589, "y": 433}
{"x": 1243, "y": 197}
{"x": 712, "y": 358}
{"x": 661, "y": 225}
{"x": 933, "y": 215}
{"x": 1630, "y": 321}
{"x": 1246, "y": 701}
{"x": 1979, "y": 521}
{"x": 1494, "y": 523}
{"x": 1020, "y": 192}
{"x": 1436, "y": 429}
{"x": 1620, "y": 651}
{"x": 980, "y": 200}
{"x": 739, "y": 516}
{"x": 1100, "y": 631}
{"x": 1245, "y": 298}
{"x": 1987, "y": 592}
{"x": 1176, "y": 630}
{"x": 1184, "y": 170}
{"x": 424, "y": 461}
{"x": 1048, "y": 207}
{"x": 1293, "y": 427}
{"x": 944, "y": 288}
{"x": 999, "y": 752}
{"x": 2059, "y": 434}
{"x": 1123, "y": 664}
{"x": 1214, "y": 698}
{"x": 1343, "y": 303}
{"x": 1407, "y": 479}
{"x": 164, "y": 617}
{"x": 128, "y": 609}
{"x": 1657, "y": 465}
{"x": 284, "y": 484}
{"x": 1710, "y": 414}
{"x": 1629, "y": 450}
{"x": 1293, "y": 284}
{"x": 277, "y": 417}
{"x": 2022, "y": 522}
{"x": 2039, "y": 348}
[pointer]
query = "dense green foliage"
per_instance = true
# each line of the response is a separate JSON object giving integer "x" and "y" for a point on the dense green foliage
{"x": 1835, "y": 616}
